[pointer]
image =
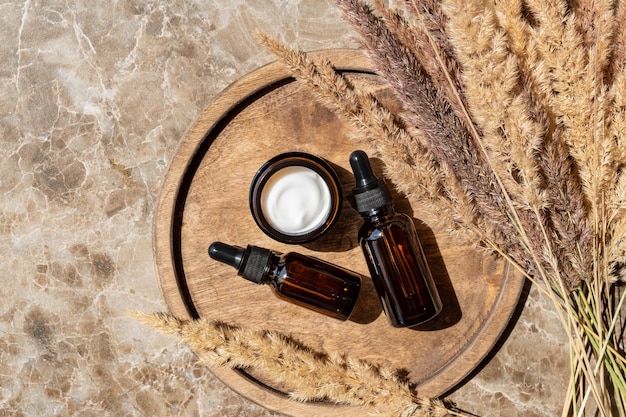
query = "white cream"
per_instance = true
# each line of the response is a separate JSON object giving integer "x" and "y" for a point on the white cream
{"x": 295, "y": 200}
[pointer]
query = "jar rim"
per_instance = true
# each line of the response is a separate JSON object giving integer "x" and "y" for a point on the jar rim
{"x": 307, "y": 160}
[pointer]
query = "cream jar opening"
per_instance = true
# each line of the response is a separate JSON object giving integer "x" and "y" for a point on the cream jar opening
{"x": 295, "y": 197}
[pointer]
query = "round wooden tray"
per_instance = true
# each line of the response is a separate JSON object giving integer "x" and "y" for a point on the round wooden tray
{"x": 205, "y": 199}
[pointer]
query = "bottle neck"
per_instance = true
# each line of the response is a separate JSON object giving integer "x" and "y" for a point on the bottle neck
{"x": 272, "y": 270}
{"x": 380, "y": 214}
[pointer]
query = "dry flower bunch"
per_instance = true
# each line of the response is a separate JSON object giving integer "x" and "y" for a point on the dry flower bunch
{"x": 513, "y": 130}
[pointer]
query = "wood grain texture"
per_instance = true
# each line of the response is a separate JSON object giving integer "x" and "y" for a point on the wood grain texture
{"x": 205, "y": 199}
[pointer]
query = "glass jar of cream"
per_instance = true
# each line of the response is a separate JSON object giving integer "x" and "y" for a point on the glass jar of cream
{"x": 295, "y": 197}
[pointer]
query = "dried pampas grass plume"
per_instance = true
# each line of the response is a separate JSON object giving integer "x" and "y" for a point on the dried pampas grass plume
{"x": 317, "y": 376}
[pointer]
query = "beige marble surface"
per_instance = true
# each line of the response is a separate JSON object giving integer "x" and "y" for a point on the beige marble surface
{"x": 95, "y": 96}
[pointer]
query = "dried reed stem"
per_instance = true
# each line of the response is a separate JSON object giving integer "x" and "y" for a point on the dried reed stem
{"x": 314, "y": 376}
{"x": 434, "y": 20}
{"x": 575, "y": 92}
{"x": 426, "y": 41}
{"x": 572, "y": 231}
{"x": 595, "y": 25}
{"x": 561, "y": 74}
{"x": 499, "y": 104}
{"x": 618, "y": 44}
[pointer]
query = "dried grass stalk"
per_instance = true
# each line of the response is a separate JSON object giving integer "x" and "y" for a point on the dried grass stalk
{"x": 573, "y": 81}
{"x": 315, "y": 376}
{"x": 618, "y": 42}
{"x": 425, "y": 38}
{"x": 595, "y": 25}
{"x": 499, "y": 104}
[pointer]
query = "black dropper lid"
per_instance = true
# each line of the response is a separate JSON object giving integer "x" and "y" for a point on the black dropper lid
{"x": 370, "y": 193}
{"x": 252, "y": 263}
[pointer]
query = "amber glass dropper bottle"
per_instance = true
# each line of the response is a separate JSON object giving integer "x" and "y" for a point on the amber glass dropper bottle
{"x": 303, "y": 280}
{"x": 392, "y": 250}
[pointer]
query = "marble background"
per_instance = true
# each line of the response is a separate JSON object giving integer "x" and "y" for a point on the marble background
{"x": 95, "y": 96}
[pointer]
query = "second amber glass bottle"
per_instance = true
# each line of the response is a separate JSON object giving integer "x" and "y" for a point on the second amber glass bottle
{"x": 392, "y": 250}
{"x": 303, "y": 280}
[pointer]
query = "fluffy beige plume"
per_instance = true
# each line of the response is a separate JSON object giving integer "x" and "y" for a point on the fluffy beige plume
{"x": 562, "y": 75}
{"x": 336, "y": 92}
{"x": 618, "y": 50}
{"x": 417, "y": 35}
{"x": 595, "y": 25}
{"x": 498, "y": 102}
{"x": 616, "y": 75}
{"x": 574, "y": 91}
{"x": 314, "y": 376}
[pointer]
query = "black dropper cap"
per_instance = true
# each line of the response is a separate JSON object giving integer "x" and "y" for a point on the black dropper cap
{"x": 370, "y": 193}
{"x": 252, "y": 263}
